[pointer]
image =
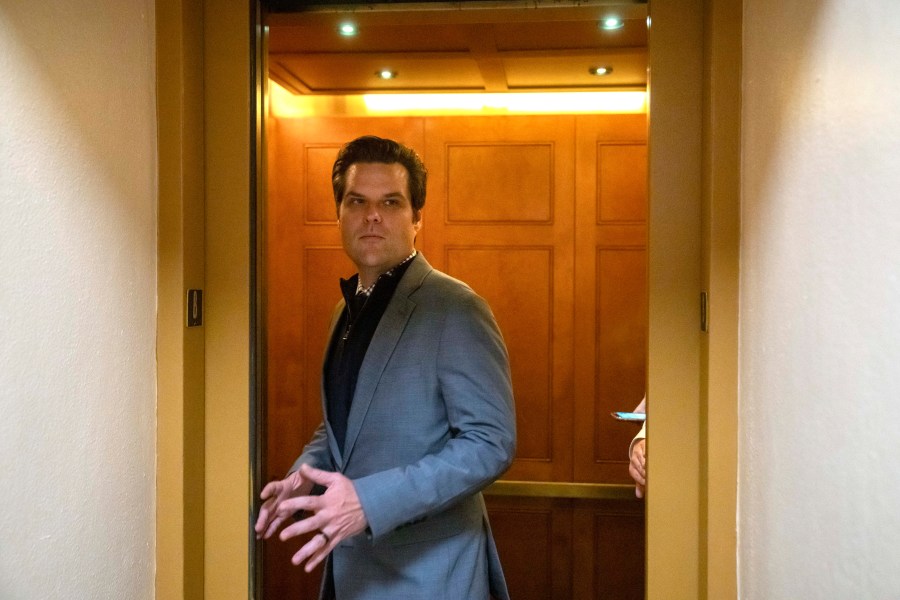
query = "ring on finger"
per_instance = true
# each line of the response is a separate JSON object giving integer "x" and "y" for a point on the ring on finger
{"x": 325, "y": 535}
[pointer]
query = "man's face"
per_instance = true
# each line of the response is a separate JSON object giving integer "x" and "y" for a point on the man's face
{"x": 376, "y": 218}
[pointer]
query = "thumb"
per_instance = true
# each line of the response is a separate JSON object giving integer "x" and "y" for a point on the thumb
{"x": 318, "y": 476}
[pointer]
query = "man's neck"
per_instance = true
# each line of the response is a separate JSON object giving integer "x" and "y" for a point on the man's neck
{"x": 367, "y": 278}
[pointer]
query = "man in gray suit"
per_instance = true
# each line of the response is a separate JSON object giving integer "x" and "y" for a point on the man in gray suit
{"x": 418, "y": 405}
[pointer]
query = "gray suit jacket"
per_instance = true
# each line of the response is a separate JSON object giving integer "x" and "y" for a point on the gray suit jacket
{"x": 431, "y": 424}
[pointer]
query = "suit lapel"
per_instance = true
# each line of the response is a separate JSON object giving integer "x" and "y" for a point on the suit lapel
{"x": 381, "y": 348}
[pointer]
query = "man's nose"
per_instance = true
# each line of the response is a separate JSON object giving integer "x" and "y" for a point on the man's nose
{"x": 372, "y": 213}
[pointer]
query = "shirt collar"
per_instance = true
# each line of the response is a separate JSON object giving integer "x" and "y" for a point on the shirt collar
{"x": 368, "y": 291}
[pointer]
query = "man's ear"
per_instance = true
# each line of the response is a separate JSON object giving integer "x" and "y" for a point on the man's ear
{"x": 417, "y": 220}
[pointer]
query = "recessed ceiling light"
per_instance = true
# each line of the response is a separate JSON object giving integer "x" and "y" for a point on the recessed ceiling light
{"x": 386, "y": 74}
{"x": 348, "y": 29}
{"x": 600, "y": 71}
{"x": 610, "y": 23}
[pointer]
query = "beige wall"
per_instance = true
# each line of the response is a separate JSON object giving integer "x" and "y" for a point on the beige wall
{"x": 180, "y": 399}
{"x": 203, "y": 431}
{"x": 820, "y": 291}
{"x": 719, "y": 344}
{"x": 77, "y": 299}
{"x": 227, "y": 88}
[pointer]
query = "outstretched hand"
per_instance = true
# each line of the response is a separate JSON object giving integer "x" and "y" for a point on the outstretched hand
{"x": 274, "y": 494}
{"x": 638, "y": 467}
{"x": 335, "y": 515}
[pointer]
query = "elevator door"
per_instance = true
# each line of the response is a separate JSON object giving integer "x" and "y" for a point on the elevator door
{"x": 546, "y": 218}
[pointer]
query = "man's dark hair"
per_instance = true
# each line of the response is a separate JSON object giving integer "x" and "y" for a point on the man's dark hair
{"x": 373, "y": 149}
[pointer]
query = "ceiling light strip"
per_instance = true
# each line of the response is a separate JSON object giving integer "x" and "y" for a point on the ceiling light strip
{"x": 284, "y": 104}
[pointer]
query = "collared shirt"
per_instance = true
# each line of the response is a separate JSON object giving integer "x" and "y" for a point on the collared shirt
{"x": 368, "y": 291}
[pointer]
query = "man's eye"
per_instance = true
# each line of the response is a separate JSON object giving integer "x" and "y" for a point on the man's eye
{"x": 355, "y": 201}
{"x": 391, "y": 202}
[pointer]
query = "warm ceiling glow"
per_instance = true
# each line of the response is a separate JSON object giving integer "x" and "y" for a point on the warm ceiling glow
{"x": 387, "y": 74}
{"x": 543, "y": 102}
{"x": 600, "y": 71}
{"x": 284, "y": 104}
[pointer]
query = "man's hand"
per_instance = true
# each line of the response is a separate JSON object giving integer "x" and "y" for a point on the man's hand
{"x": 336, "y": 515}
{"x": 274, "y": 494}
{"x": 638, "y": 467}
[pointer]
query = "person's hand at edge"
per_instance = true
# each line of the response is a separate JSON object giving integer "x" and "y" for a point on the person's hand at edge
{"x": 638, "y": 467}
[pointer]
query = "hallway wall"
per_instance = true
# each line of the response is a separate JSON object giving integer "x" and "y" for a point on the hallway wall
{"x": 77, "y": 299}
{"x": 820, "y": 301}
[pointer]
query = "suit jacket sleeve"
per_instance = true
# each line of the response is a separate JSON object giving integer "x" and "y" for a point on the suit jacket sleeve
{"x": 474, "y": 382}
{"x": 315, "y": 453}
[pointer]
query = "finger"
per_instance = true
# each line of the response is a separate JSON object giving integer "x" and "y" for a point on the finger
{"x": 289, "y": 507}
{"x": 266, "y": 514}
{"x": 273, "y": 527}
{"x": 639, "y": 490}
{"x": 312, "y": 552}
{"x": 318, "y": 476}
{"x": 261, "y": 519}
{"x": 319, "y": 554}
{"x": 262, "y": 523}
{"x": 304, "y": 552}
{"x": 306, "y": 525}
{"x": 270, "y": 490}
{"x": 636, "y": 474}
{"x": 315, "y": 559}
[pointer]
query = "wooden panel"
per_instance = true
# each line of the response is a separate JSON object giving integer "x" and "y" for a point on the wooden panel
{"x": 534, "y": 540}
{"x": 504, "y": 186}
{"x": 358, "y": 73}
{"x": 512, "y": 181}
{"x": 518, "y": 285}
{"x": 283, "y": 580}
{"x": 556, "y": 548}
{"x": 526, "y": 542}
{"x": 622, "y": 193}
{"x": 611, "y": 296}
{"x": 319, "y": 205}
{"x": 619, "y": 561}
{"x": 621, "y": 334}
{"x": 608, "y": 549}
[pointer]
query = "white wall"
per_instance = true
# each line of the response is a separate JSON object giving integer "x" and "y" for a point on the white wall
{"x": 77, "y": 299}
{"x": 820, "y": 301}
